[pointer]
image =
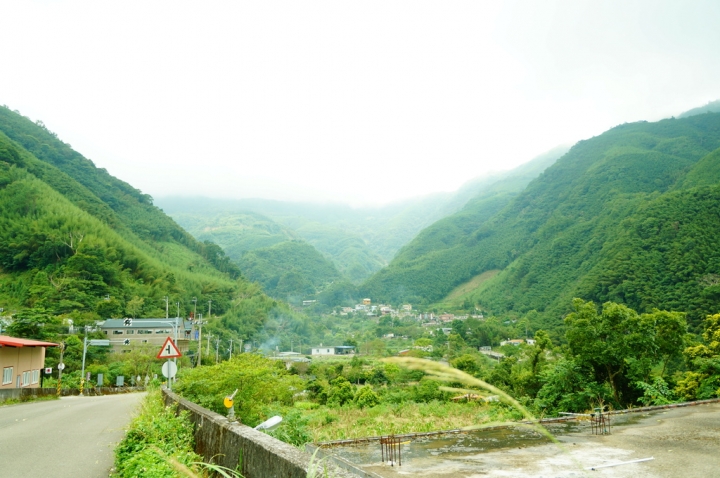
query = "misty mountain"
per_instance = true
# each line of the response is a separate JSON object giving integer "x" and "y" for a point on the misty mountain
{"x": 629, "y": 216}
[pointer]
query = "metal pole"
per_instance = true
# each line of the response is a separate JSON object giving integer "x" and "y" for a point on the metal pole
{"x": 175, "y": 329}
{"x": 199, "y": 360}
{"x": 178, "y": 309}
{"x": 217, "y": 350}
{"x": 59, "y": 385}
{"x": 207, "y": 352}
{"x": 167, "y": 316}
{"x": 230, "y": 349}
{"x": 82, "y": 373}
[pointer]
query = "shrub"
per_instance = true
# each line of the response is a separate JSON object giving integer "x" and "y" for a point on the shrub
{"x": 365, "y": 397}
{"x": 156, "y": 438}
{"x": 341, "y": 392}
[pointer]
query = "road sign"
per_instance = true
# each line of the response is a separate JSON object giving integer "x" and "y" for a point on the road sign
{"x": 60, "y": 366}
{"x": 48, "y": 370}
{"x": 169, "y": 350}
{"x": 169, "y": 369}
{"x": 127, "y": 322}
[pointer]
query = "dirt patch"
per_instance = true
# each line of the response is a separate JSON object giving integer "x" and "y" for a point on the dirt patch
{"x": 684, "y": 442}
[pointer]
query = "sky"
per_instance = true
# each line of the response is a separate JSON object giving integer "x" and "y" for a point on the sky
{"x": 363, "y": 102}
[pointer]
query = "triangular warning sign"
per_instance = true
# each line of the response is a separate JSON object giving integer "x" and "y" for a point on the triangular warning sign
{"x": 169, "y": 350}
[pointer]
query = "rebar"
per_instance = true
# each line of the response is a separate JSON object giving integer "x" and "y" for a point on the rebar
{"x": 390, "y": 450}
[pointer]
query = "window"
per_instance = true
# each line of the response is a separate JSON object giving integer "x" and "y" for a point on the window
{"x": 7, "y": 375}
{"x": 130, "y": 332}
{"x": 162, "y": 331}
{"x": 117, "y": 332}
{"x": 35, "y": 376}
{"x": 25, "y": 378}
{"x": 144, "y": 331}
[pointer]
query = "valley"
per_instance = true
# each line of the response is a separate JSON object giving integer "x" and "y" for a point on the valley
{"x": 587, "y": 277}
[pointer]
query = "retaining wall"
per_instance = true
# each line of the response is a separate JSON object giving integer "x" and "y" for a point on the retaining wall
{"x": 257, "y": 454}
{"x": 28, "y": 393}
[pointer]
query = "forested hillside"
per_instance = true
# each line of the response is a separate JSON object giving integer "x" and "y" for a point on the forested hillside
{"x": 291, "y": 271}
{"x": 628, "y": 216}
{"x": 359, "y": 241}
{"x": 78, "y": 243}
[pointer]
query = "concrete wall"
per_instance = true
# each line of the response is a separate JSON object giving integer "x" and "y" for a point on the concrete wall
{"x": 260, "y": 456}
{"x": 27, "y": 393}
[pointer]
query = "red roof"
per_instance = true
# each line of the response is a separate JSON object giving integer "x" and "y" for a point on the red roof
{"x": 6, "y": 341}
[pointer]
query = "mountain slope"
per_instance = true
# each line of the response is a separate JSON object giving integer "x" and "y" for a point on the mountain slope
{"x": 558, "y": 232}
{"x": 94, "y": 247}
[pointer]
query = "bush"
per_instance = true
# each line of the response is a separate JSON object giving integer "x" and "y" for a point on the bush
{"x": 258, "y": 380}
{"x": 156, "y": 438}
{"x": 365, "y": 397}
{"x": 341, "y": 392}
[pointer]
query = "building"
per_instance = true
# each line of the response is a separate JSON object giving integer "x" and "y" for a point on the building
{"x": 22, "y": 361}
{"x": 333, "y": 350}
{"x": 126, "y": 333}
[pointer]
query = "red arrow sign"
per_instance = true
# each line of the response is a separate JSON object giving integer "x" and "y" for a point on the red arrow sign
{"x": 169, "y": 350}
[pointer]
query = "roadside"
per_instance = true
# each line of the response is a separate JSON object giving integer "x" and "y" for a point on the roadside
{"x": 70, "y": 437}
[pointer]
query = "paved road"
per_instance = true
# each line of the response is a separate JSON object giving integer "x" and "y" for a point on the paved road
{"x": 71, "y": 437}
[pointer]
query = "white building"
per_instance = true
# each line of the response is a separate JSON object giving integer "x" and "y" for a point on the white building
{"x": 333, "y": 350}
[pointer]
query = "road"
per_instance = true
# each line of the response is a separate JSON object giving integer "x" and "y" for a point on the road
{"x": 71, "y": 437}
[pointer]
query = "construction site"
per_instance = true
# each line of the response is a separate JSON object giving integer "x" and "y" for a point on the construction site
{"x": 670, "y": 441}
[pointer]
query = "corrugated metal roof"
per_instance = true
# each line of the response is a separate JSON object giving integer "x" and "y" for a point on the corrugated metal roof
{"x": 139, "y": 323}
{"x": 6, "y": 341}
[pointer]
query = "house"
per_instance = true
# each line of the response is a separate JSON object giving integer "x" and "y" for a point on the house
{"x": 514, "y": 342}
{"x": 447, "y": 317}
{"x": 126, "y": 333}
{"x": 367, "y": 302}
{"x": 22, "y": 361}
{"x": 333, "y": 350}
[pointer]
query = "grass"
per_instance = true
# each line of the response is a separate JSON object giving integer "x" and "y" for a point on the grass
{"x": 329, "y": 424}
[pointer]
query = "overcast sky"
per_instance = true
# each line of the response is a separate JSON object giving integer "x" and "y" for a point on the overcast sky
{"x": 359, "y": 102}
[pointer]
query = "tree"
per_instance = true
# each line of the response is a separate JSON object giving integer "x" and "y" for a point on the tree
{"x": 134, "y": 306}
{"x": 616, "y": 344}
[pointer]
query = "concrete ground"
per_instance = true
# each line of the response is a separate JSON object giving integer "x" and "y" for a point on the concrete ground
{"x": 683, "y": 442}
{"x": 70, "y": 437}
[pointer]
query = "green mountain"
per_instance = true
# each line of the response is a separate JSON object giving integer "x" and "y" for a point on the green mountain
{"x": 77, "y": 243}
{"x": 359, "y": 241}
{"x": 290, "y": 271}
{"x": 627, "y": 216}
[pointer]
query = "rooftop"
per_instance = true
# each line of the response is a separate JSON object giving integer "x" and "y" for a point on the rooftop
{"x": 6, "y": 341}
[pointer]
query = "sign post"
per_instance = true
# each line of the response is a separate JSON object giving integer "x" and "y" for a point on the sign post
{"x": 169, "y": 350}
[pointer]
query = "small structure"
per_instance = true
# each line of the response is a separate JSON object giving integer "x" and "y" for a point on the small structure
{"x": 333, "y": 350}
{"x": 22, "y": 361}
{"x": 514, "y": 342}
{"x": 126, "y": 333}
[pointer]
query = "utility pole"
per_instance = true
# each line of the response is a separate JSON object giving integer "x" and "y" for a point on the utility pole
{"x": 207, "y": 352}
{"x": 209, "y": 309}
{"x": 194, "y": 299}
{"x": 200, "y": 324}
{"x": 167, "y": 315}
{"x": 230, "y": 350}
{"x": 178, "y": 309}
{"x": 217, "y": 350}
{"x": 60, "y": 368}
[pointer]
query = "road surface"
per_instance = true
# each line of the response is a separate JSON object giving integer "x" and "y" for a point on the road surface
{"x": 71, "y": 437}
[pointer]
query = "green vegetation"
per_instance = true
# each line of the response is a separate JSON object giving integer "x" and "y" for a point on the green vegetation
{"x": 289, "y": 270}
{"x": 358, "y": 241}
{"x": 159, "y": 443}
{"x": 625, "y": 216}
{"x": 613, "y": 357}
